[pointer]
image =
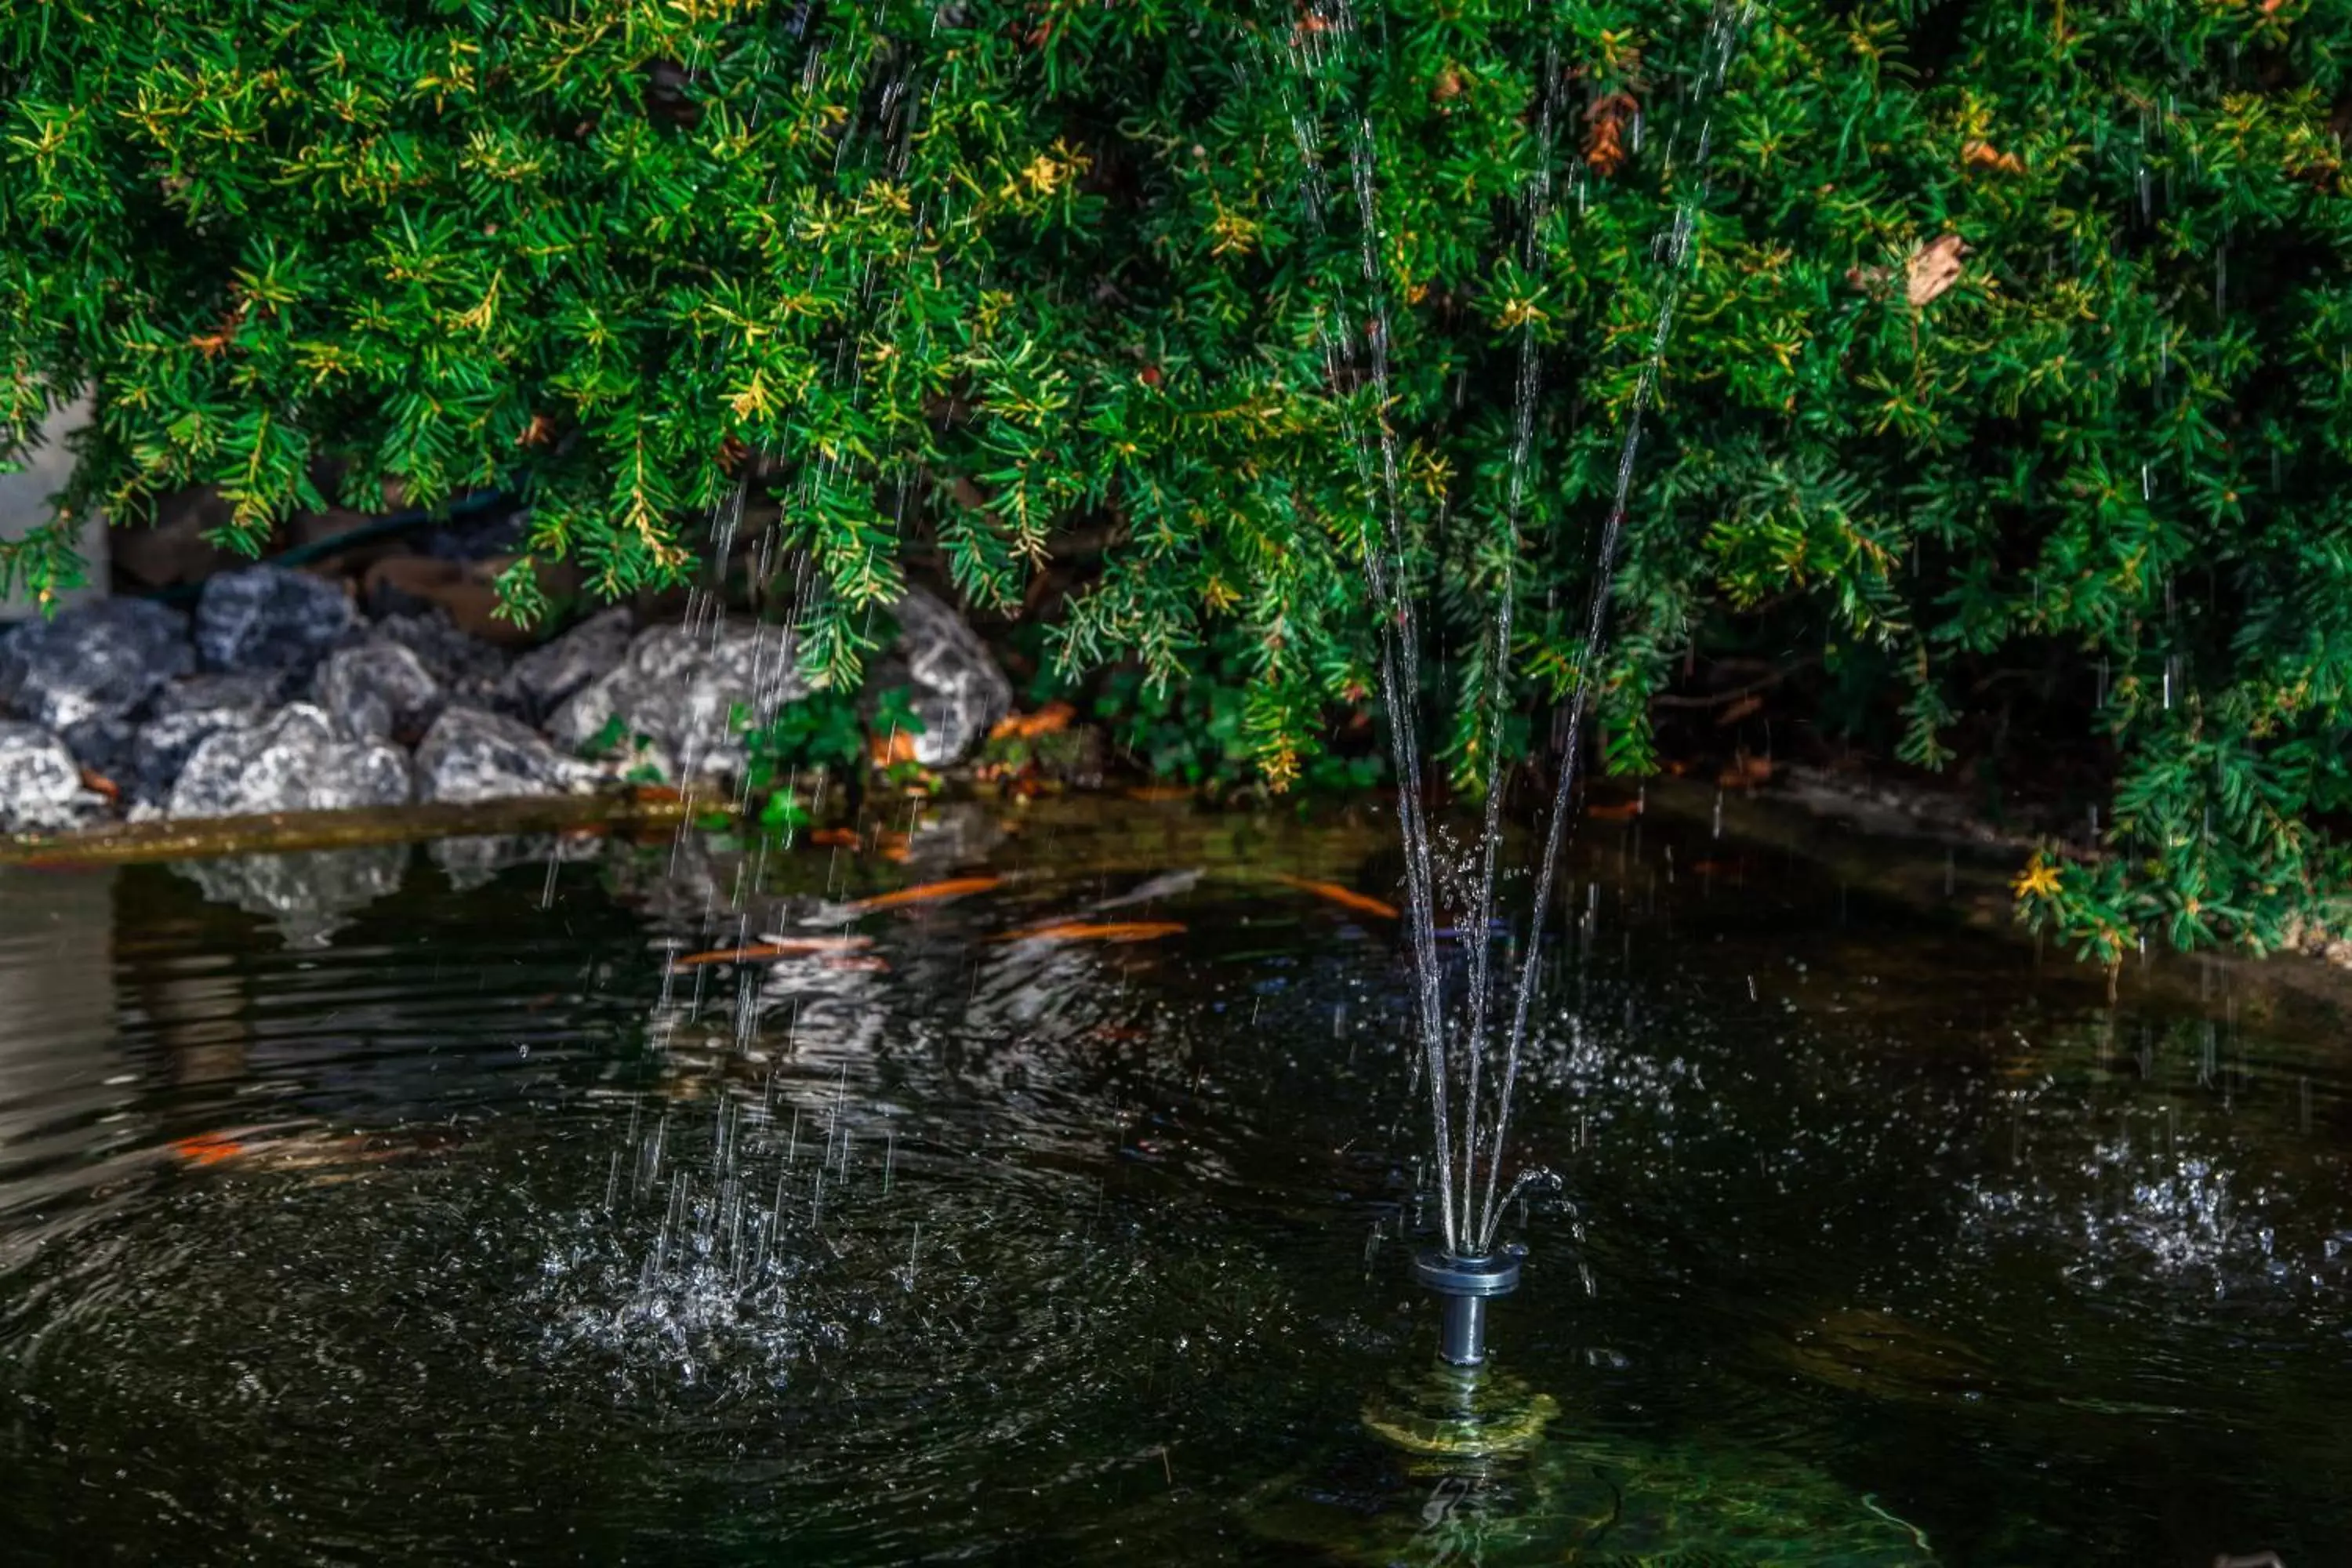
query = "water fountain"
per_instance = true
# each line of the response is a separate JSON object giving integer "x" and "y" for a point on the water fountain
{"x": 1467, "y": 1268}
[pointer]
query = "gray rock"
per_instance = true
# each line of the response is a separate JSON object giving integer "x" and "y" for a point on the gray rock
{"x": 681, "y": 689}
{"x": 96, "y": 661}
{"x": 267, "y": 617}
{"x": 472, "y": 756}
{"x": 40, "y": 782}
{"x": 955, "y": 680}
{"x": 293, "y": 760}
{"x": 228, "y": 692}
{"x": 469, "y": 670}
{"x": 163, "y": 746}
{"x": 105, "y": 746}
{"x": 541, "y": 680}
{"x": 377, "y": 690}
{"x": 187, "y": 713}
{"x": 311, "y": 894}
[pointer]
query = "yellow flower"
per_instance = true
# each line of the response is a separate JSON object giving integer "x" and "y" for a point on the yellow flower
{"x": 1519, "y": 313}
{"x": 2038, "y": 879}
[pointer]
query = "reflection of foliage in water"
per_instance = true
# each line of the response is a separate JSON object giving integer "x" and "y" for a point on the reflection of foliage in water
{"x": 1602, "y": 1500}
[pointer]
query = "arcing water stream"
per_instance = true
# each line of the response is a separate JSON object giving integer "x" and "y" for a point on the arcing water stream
{"x": 1470, "y": 1134}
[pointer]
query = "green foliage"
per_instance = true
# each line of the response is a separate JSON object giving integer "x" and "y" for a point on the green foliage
{"x": 1069, "y": 258}
{"x": 613, "y": 739}
{"x": 1202, "y": 732}
{"x": 822, "y": 731}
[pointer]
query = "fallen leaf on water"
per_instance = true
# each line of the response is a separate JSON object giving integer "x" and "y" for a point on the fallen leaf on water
{"x": 1096, "y": 931}
{"x": 1348, "y": 897}
{"x": 1934, "y": 267}
{"x": 1613, "y": 811}
{"x": 208, "y": 1149}
{"x": 924, "y": 893}
{"x": 774, "y": 947}
{"x": 868, "y": 965}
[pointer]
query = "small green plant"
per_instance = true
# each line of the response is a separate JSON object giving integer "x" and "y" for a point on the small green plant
{"x": 614, "y": 738}
{"x": 822, "y": 730}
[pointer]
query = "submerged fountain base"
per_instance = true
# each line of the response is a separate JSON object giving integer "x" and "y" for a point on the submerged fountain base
{"x": 1467, "y": 1285}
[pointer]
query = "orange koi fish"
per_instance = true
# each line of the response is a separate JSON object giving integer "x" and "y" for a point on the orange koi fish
{"x": 1617, "y": 811}
{"x": 1346, "y": 898}
{"x": 1096, "y": 931}
{"x": 774, "y": 947}
{"x": 928, "y": 892}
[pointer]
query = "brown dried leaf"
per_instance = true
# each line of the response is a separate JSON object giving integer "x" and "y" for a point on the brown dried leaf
{"x": 1604, "y": 130}
{"x": 1934, "y": 267}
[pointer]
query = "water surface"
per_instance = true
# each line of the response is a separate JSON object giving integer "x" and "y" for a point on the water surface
{"x": 396, "y": 1205}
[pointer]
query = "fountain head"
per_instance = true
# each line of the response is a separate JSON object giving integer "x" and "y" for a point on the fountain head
{"x": 1467, "y": 1285}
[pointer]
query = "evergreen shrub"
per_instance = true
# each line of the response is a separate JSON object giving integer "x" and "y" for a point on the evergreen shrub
{"x": 2010, "y": 361}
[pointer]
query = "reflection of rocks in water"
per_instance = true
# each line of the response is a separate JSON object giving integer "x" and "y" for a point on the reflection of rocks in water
{"x": 740, "y": 1020}
{"x": 310, "y": 893}
{"x": 60, "y": 1050}
{"x": 952, "y": 835}
{"x": 475, "y": 861}
{"x": 682, "y": 884}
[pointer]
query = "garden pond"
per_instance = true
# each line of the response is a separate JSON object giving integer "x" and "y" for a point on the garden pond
{"x": 1040, "y": 1185}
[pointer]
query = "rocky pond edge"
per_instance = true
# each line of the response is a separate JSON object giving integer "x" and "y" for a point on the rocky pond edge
{"x": 277, "y": 696}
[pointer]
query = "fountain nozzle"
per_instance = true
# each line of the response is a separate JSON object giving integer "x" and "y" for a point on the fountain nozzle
{"x": 1468, "y": 1284}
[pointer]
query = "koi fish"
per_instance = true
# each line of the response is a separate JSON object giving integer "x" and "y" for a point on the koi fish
{"x": 1616, "y": 811}
{"x": 208, "y": 1149}
{"x": 774, "y": 947}
{"x": 1096, "y": 931}
{"x": 1154, "y": 795}
{"x": 925, "y": 893}
{"x": 1172, "y": 884}
{"x": 1346, "y": 898}
{"x": 835, "y": 837}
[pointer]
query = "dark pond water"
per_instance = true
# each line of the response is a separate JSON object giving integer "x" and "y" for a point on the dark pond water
{"x": 414, "y": 1206}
